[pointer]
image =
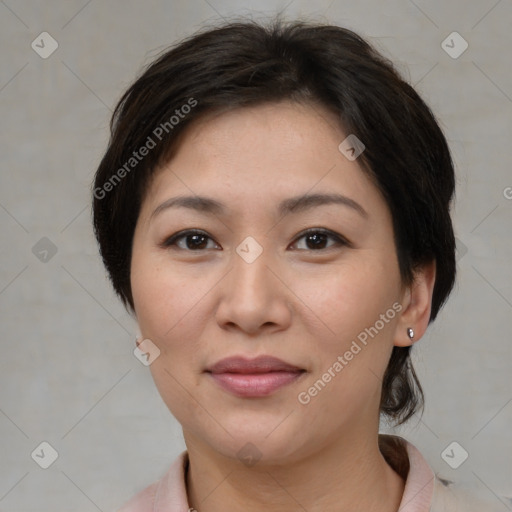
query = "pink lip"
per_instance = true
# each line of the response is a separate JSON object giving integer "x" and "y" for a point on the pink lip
{"x": 253, "y": 378}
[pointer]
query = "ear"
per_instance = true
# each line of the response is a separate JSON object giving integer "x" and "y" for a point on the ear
{"x": 416, "y": 304}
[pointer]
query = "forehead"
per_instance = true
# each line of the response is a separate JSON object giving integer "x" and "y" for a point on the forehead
{"x": 253, "y": 153}
{"x": 267, "y": 131}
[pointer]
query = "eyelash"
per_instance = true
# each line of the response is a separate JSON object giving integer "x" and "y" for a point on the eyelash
{"x": 340, "y": 241}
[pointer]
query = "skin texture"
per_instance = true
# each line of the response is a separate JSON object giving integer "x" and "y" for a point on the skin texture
{"x": 296, "y": 302}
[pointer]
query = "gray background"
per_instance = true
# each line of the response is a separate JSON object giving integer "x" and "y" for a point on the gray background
{"x": 68, "y": 375}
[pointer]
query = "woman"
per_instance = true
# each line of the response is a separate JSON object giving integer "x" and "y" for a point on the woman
{"x": 274, "y": 208}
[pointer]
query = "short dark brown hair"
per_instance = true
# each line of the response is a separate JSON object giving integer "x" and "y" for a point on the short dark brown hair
{"x": 246, "y": 63}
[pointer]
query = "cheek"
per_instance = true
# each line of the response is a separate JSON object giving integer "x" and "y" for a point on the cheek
{"x": 168, "y": 306}
{"x": 349, "y": 298}
{"x": 355, "y": 303}
{"x": 165, "y": 302}
{"x": 163, "y": 296}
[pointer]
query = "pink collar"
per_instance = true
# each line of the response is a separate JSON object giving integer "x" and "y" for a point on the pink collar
{"x": 171, "y": 494}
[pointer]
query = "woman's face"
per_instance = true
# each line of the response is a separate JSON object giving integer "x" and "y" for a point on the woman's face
{"x": 313, "y": 282}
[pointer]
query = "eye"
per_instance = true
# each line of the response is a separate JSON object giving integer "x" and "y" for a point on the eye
{"x": 313, "y": 239}
{"x": 318, "y": 239}
{"x": 190, "y": 240}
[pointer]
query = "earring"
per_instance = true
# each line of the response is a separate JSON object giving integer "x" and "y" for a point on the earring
{"x": 410, "y": 333}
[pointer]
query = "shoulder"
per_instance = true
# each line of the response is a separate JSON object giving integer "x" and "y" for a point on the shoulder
{"x": 426, "y": 490}
{"x": 143, "y": 501}
{"x": 452, "y": 497}
{"x": 168, "y": 493}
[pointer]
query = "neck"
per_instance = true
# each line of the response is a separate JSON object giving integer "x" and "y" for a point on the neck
{"x": 350, "y": 474}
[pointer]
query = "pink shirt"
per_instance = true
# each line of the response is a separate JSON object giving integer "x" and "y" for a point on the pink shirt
{"x": 423, "y": 492}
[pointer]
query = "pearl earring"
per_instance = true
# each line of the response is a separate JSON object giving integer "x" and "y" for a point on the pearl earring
{"x": 410, "y": 333}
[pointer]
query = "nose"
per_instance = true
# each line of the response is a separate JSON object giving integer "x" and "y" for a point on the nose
{"x": 253, "y": 297}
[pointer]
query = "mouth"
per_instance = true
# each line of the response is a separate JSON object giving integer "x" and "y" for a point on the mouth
{"x": 253, "y": 378}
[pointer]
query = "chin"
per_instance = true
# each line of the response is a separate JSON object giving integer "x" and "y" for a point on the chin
{"x": 259, "y": 443}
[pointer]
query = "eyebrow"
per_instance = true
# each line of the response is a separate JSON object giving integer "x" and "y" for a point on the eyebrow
{"x": 291, "y": 205}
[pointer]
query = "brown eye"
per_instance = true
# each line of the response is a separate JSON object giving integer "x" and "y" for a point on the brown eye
{"x": 318, "y": 239}
{"x": 190, "y": 241}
